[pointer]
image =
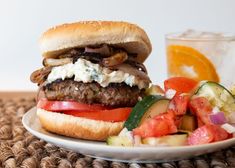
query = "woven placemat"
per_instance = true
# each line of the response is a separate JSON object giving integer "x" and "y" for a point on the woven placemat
{"x": 18, "y": 148}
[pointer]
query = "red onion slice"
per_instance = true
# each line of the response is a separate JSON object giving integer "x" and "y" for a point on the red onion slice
{"x": 218, "y": 118}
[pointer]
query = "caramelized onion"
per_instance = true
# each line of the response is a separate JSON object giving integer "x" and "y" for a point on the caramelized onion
{"x": 133, "y": 71}
{"x": 115, "y": 59}
{"x": 40, "y": 94}
{"x": 103, "y": 50}
{"x": 47, "y": 62}
{"x": 138, "y": 65}
{"x": 40, "y": 75}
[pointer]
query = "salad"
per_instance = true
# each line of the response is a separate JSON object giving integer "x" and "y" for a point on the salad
{"x": 185, "y": 112}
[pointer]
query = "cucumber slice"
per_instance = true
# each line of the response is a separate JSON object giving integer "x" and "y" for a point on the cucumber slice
{"x": 148, "y": 107}
{"x": 218, "y": 96}
{"x": 169, "y": 140}
{"x": 233, "y": 90}
{"x": 160, "y": 106}
{"x": 119, "y": 141}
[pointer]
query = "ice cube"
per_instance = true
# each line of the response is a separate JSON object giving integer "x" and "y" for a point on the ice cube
{"x": 210, "y": 35}
{"x": 191, "y": 33}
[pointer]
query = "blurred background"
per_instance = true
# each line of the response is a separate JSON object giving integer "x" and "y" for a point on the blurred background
{"x": 22, "y": 23}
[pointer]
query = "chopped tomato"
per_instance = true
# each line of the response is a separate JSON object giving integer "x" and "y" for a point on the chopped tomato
{"x": 199, "y": 122}
{"x": 169, "y": 117}
{"x": 113, "y": 115}
{"x": 200, "y": 136}
{"x": 179, "y": 104}
{"x": 160, "y": 125}
{"x": 67, "y": 105}
{"x": 207, "y": 134}
{"x": 180, "y": 84}
{"x": 201, "y": 107}
{"x": 218, "y": 132}
{"x": 178, "y": 121}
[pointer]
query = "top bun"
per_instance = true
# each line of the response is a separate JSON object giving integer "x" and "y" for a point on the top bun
{"x": 61, "y": 38}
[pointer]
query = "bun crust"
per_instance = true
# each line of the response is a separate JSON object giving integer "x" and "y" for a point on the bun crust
{"x": 78, "y": 127}
{"x": 61, "y": 38}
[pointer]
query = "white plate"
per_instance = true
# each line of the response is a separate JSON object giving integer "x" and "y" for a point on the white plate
{"x": 123, "y": 154}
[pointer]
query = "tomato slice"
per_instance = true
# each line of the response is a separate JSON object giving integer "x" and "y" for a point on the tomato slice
{"x": 160, "y": 125}
{"x": 207, "y": 134}
{"x": 59, "y": 106}
{"x": 113, "y": 115}
{"x": 95, "y": 112}
{"x": 201, "y": 107}
{"x": 180, "y": 84}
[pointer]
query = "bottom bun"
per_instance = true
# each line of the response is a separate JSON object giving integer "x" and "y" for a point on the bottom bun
{"x": 78, "y": 127}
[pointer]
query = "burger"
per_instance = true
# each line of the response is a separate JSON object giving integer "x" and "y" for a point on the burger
{"x": 92, "y": 76}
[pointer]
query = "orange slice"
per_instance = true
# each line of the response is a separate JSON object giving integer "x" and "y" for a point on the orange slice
{"x": 188, "y": 62}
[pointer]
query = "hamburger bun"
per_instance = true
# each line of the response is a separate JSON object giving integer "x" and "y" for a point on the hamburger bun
{"x": 64, "y": 37}
{"x": 78, "y": 127}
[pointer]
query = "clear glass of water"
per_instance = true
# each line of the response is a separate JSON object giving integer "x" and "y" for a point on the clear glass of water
{"x": 202, "y": 56}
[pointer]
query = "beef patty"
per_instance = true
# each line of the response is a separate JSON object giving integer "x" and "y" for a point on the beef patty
{"x": 114, "y": 95}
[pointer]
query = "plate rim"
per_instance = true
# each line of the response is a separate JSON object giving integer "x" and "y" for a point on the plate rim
{"x": 102, "y": 146}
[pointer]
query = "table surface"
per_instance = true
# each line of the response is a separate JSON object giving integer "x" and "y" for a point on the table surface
{"x": 18, "y": 148}
{"x": 17, "y": 94}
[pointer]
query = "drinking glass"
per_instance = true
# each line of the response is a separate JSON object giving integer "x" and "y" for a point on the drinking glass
{"x": 202, "y": 56}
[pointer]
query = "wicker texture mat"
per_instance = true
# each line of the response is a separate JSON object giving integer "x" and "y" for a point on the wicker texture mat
{"x": 18, "y": 148}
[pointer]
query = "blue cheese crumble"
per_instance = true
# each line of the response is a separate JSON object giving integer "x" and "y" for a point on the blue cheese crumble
{"x": 86, "y": 71}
